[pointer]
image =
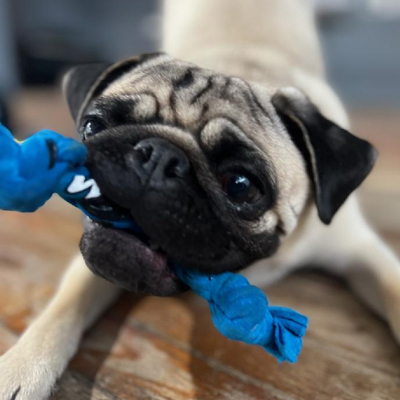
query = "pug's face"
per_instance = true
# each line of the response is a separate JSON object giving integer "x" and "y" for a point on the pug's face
{"x": 214, "y": 170}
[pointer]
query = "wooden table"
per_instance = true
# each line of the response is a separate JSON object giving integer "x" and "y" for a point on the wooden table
{"x": 158, "y": 349}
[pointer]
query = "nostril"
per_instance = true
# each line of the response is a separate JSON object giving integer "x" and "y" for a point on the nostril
{"x": 144, "y": 152}
{"x": 171, "y": 168}
{"x": 176, "y": 168}
{"x": 161, "y": 159}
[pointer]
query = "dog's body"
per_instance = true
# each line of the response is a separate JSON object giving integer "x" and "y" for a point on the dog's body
{"x": 270, "y": 42}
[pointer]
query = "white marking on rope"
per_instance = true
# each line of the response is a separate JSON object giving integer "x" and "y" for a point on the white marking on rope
{"x": 80, "y": 184}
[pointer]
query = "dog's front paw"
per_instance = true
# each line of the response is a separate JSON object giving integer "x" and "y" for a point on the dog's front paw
{"x": 24, "y": 379}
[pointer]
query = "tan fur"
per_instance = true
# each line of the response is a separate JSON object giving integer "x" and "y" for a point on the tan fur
{"x": 272, "y": 43}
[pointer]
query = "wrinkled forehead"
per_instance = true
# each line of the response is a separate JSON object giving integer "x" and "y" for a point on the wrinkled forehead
{"x": 213, "y": 108}
{"x": 184, "y": 95}
{"x": 159, "y": 72}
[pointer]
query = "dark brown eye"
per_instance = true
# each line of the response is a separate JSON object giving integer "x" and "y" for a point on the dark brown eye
{"x": 91, "y": 127}
{"x": 240, "y": 188}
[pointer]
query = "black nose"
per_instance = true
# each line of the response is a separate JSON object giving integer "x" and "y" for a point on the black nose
{"x": 125, "y": 172}
{"x": 161, "y": 160}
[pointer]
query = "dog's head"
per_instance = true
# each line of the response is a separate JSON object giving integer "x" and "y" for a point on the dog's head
{"x": 215, "y": 171}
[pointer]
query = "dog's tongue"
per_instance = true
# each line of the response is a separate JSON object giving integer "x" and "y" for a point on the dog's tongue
{"x": 122, "y": 258}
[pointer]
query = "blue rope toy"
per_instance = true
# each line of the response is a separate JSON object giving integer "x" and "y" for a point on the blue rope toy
{"x": 48, "y": 163}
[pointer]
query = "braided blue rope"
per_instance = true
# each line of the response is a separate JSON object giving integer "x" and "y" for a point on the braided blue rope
{"x": 48, "y": 163}
{"x": 240, "y": 311}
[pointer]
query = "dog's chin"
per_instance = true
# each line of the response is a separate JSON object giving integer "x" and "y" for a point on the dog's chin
{"x": 127, "y": 260}
{"x": 131, "y": 261}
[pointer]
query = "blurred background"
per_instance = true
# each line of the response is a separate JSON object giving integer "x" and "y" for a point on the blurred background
{"x": 40, "y": 39}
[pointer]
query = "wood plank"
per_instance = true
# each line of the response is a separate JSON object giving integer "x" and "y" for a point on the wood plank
{"x": 332, "y": 363}
{"x": 72, "y": 386}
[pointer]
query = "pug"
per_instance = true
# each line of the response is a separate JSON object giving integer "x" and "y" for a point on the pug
{"x": 232, "y": 153}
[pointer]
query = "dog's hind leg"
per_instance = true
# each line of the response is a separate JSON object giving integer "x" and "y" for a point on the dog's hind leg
{"x": 350, "y": 248}
{"x": 373, "y": 271}
{"x": 29, "y": 370}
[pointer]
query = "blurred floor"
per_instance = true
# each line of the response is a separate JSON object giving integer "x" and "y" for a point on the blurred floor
{"x": 167, "y": 348}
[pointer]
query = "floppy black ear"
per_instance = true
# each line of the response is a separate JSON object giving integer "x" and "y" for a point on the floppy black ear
{"x": 337, "y": 161}
{"x": 77, "y": 84}
{"x": 82, "y": 83}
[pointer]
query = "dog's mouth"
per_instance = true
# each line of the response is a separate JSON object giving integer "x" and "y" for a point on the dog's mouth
{"x": 118, "y": 250}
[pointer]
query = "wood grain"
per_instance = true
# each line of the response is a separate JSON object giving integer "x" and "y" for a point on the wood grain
{"x": 159, "y": 349}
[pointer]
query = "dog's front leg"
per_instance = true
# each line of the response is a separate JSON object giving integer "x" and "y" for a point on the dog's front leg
{"x": 29, "y": 370}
